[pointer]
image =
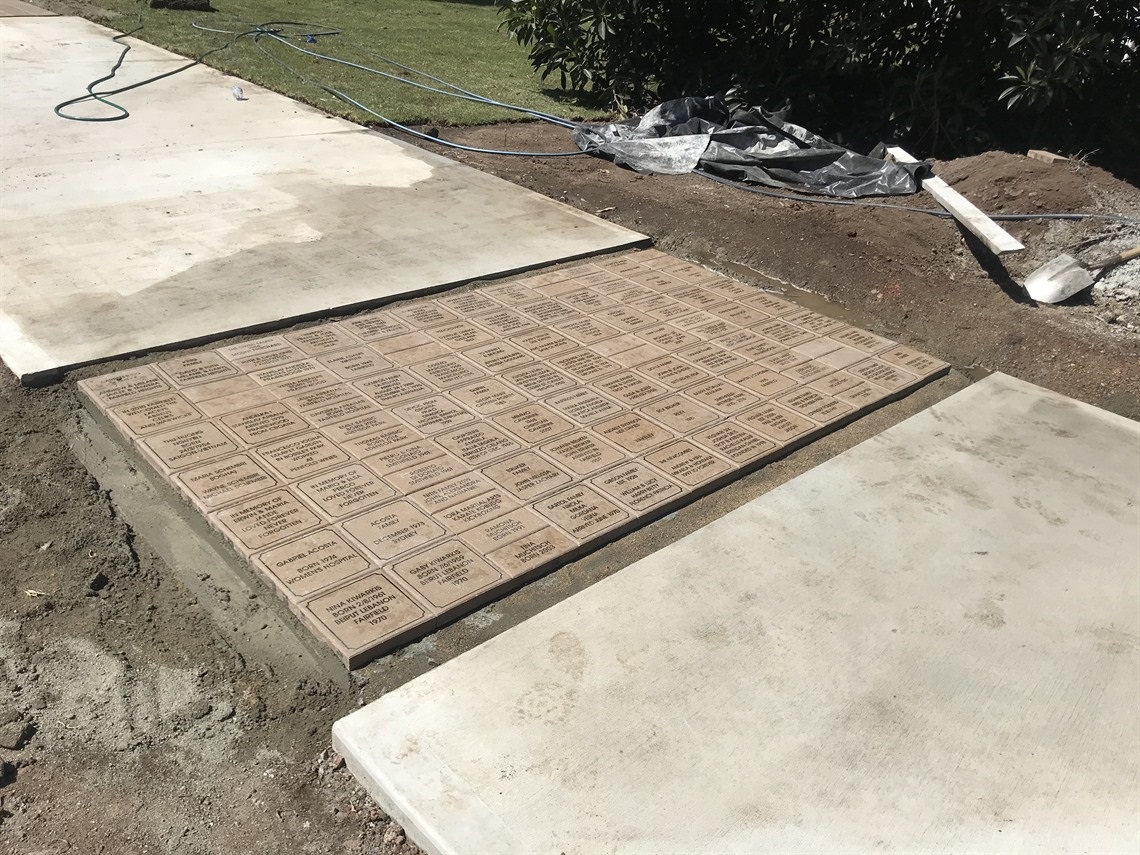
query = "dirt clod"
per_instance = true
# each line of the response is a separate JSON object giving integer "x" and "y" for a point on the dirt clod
{"x": 15, "y": 735}
{"x": 97, "y": 583}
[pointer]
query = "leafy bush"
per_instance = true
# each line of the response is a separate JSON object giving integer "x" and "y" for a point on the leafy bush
{"x": 945, "y": 76}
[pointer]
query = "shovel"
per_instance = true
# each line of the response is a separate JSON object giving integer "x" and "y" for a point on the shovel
{"x": 1064, "y": 276}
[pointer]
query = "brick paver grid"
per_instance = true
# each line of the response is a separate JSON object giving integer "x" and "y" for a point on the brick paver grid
{"x": 389, "y": 471}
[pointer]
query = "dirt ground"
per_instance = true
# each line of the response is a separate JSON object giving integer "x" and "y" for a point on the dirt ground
{"x": 916, "y": 277}
{"x": 129, "y": 723}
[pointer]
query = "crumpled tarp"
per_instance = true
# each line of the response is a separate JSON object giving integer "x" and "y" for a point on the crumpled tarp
{"x": 747, "y": 145}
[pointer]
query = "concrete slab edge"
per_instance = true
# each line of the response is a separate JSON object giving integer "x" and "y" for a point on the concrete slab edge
{"x": 37, "y": 379}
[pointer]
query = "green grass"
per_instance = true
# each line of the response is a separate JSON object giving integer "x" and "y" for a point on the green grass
{"x": 457, "y": 41}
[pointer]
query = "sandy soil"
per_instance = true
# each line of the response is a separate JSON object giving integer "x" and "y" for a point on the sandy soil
{"x": 129, "y": 724}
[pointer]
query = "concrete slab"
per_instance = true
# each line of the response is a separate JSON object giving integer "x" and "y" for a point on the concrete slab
{"x": 19, "y": 9}
{"x": 394, "y": 470}
{"x": 928, "y": 643}
{"x": 201, "y": 216}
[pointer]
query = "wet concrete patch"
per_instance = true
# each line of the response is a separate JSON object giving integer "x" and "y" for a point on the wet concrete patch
{"x": 201, "y": 216}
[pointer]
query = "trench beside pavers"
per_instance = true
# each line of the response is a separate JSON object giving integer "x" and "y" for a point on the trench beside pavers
{"x": 391, "y": 471}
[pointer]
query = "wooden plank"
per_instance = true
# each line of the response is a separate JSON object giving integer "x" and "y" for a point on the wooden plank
{"x": 997, "y": 239}
{"x": 1045, "y": 156}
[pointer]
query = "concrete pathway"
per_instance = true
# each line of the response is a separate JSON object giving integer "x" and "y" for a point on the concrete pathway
{"x": 201, "y": 216}
{"x": 19, "y": 9}
{"x": 928, "y": 643}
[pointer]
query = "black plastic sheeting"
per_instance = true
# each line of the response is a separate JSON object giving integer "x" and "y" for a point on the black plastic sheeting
{"x": 747, "y": 145}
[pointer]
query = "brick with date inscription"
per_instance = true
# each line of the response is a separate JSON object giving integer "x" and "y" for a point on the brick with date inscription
{"x": 446, "y": 574}
{"x": 392, "y": 530}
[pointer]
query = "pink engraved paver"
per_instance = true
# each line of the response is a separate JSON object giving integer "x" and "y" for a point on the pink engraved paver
{"x": 387, "y": 472}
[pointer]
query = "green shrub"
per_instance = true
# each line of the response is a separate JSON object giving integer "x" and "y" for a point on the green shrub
{"x": 945, "y": 77}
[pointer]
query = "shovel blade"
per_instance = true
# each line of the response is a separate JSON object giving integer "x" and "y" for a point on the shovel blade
{"x": 1058, "y": 280}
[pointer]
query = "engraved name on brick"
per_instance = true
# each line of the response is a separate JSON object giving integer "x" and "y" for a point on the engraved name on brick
{"x": 154, "y": 414}
{"x": 313, "y": 562}
{"x": 491, "y": 534}
{"x": 532, "y": 551}
{"x": 882, "y": 374}
{"x": 633, "y": 433}
{"x": 722, "y": 396}
{"x": 734, "y": 442}
{"x": 393, "y": 529}
{"x": 301, "y": 455}
{"x": 498, "y": 356}
{"x": 268, "y": 519}
{"x": 544, "y": 343}
{"x": 354, "y": 428}
{"x": 776, "y": 423}
{"x": 189, "y": 445}
{"x": 468, "y": 514}
{"x": 365, "y": 611}
{"x": 478, "y": 444}
{"x": 688, "y": 463}
{"x": 196, "y": 368}
{"x": 451, "y": 492}
{"x": 582, "y": 452}
{"x": 585, "y": 364}
{"x": 432, "y": 415}
{"x": 354, "y": 363}
{"x": 376, "y": 326}
{"x": 426, "y": 473}
{"x": 288, "y": 371}
{"x": 461, "y": 334}
{"x": 224, "y": 481}
{"x": 527, "y": 475}
{"x": 321, "y": 339}
{"x": 447, "y": 372}
{"x": 587, "y": 330}
{"x": 504, "y": 322}
{"x": 673, "y": 372}
{"x": 395, "y": 459}
{"x": 581, "y": 511}
{"x": 125, "y": 386}
{"x": 469, "y": 303}
{"x": 262, "y": 424}
{"x": 487, "y": 397}
{"x": 631, "y": 389}
{"x": 393, "y": 387}
{"x": 533, "y": 423}
{"x": 346, "y": 490}
{"x": 679, "y": 413}
{"x": 637, "y": 486}
{"x": 446, "y": 573}
{"x": 583, "y": 405}
{"x": 539, "y": 380}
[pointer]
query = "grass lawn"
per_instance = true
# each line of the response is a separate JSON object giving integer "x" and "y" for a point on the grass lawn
{"x": 457, "y": 40}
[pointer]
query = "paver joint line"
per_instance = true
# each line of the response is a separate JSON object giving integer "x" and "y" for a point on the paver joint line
{"x": 387, "y": 472}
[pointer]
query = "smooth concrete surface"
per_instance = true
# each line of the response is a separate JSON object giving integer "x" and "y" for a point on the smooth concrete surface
{"x": 201, "y": 215}
{"x": 19, "y": 9}
{"x": 928, "y": 643}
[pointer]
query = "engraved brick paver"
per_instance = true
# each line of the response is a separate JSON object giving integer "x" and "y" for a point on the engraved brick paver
{"x": 386, "y": 472}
